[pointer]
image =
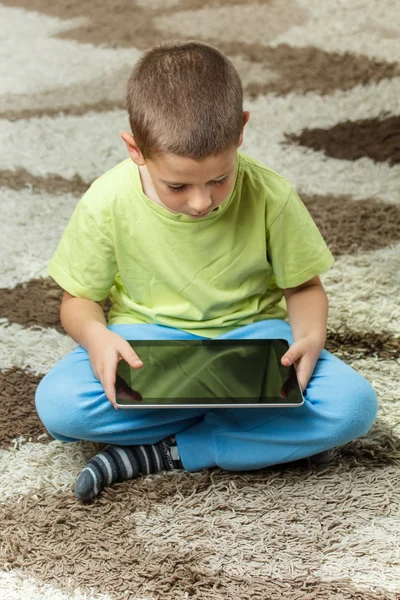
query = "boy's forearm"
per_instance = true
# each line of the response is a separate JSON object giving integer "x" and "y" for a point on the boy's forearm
{"x": 308, "y": 312}
{"x": 81, "y": 318}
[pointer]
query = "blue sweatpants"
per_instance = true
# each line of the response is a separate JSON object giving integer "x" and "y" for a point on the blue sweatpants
{"x": 340, "y": 405}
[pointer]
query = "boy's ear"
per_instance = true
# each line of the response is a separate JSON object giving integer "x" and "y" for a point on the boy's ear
{"x": 246, "y": 117}
{"x": 133, "y": 149}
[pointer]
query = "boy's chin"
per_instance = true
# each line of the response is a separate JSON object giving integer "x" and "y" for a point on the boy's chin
{"x": 203, "y": 214}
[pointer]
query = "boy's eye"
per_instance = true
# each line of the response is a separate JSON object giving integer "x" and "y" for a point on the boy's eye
{"x": 219, "y": 181}
{"x": 182, "y": 187}
{"x": 176, "y": 189}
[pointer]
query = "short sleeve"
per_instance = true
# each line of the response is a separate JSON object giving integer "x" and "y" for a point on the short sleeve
{"x": 295, "y": 247}
{"x": 84, "y": 263}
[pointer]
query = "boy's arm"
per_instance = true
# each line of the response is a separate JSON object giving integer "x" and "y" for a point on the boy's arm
{"x": 85, "y": 322}
{"x": 308, "y": 315}
{"x": 81, "y": 317}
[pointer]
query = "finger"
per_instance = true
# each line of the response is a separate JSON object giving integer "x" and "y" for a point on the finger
{"x": 128, "y": 354}
{"x": 124, "y": 391}
{"x": 108, "y": 382}
{"x": 290, "y": 384}
{"x": 292, "y": 355}
{"x": 303, "y": 381}
{"x": 303, "y": 375}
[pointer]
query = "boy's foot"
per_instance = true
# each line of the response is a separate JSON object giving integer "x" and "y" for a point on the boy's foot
{"x": 118, "y": 463}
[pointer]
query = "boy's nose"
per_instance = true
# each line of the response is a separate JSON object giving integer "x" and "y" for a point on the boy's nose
{"x": 200, "y": 201}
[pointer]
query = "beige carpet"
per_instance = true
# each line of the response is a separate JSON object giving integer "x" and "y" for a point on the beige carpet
{"x": 322, "y": 82}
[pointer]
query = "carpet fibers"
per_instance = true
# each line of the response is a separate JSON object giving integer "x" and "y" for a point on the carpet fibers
{"x": 322, "y": 83}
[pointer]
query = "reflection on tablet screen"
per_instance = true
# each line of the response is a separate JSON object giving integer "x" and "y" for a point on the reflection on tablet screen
{"x": 208, "y": 372}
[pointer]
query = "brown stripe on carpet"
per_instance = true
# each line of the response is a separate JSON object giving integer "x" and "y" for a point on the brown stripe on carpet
{"x": 115, "y": 557}
{"x": 135, "y": 26}
{"x": 132, "y": 25}
{"x": 51, "y": 184}
{"x": 352, "y": 345}
{"x": 129, "y": 25}
{"x": 378, "y": 139}
{"x": 18, "y": 415}
{"x": 35, "y": 303}
{"x": 105, "y": 548}
{"x": 85, "y": 8}
{"x": 349, "y": 226}
{"x": 73, "y": 109}
{"x": 321, "y": 71}
{"x": 99, "y": 94}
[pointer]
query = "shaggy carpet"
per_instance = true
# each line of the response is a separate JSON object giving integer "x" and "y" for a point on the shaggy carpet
{"x": 322, "y": 82}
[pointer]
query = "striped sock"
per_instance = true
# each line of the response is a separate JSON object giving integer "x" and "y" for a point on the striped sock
{"x": 119, "y": 463}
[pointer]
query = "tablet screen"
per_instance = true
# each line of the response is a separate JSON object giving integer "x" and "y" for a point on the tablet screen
{"x": 208, "y": 372}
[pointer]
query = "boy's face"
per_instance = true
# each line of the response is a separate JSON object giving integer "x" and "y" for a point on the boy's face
{"x": 190, "y": 187}
{"x": 186, "y": 186}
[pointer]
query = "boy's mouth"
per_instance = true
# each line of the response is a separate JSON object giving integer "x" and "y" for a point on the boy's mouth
{"x": 203, "y": 214}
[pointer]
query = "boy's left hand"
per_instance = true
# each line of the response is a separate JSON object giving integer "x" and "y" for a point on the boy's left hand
{"x": 304, "y": 354}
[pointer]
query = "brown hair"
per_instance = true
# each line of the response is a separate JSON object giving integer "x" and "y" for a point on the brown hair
{"x": 185, "y": 98}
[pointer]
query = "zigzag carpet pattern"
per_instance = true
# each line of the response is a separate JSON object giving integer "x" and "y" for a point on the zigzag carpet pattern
{"x": 322, "y": 83}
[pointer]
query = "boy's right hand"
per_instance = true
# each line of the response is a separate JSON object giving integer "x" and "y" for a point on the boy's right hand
{"x": 106, "y": 349}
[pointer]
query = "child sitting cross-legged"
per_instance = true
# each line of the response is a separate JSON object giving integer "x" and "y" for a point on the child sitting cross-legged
{"x": 192, "y": 239}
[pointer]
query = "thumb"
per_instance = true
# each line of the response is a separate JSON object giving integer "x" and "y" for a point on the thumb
{"x": 128, "y": 354}
{"x": 292, "y": 355}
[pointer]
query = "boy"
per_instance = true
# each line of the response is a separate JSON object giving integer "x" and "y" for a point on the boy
{"x": 190, "y": 238}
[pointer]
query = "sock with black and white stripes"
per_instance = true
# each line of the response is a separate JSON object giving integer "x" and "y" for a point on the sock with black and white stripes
{"x": 118, "y": 463}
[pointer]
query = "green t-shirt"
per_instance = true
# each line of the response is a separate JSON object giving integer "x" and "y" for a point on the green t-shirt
{"x": 206, "y": 276}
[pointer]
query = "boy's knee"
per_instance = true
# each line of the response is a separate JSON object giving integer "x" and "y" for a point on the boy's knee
{"x": 53, "y": 408}
{"x": 41, "y": 397}
{"x": 45, "y": 403}
{"x": 362, "y": 406}
{"x": 371, "y": 403}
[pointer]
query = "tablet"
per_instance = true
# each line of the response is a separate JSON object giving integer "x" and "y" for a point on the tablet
{"x": 208, "y": 374}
